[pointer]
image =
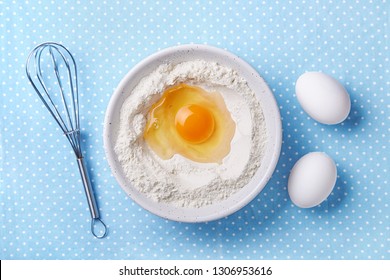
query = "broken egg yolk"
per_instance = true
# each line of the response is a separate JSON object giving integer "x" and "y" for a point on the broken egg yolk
{"x": 192, "y": 122}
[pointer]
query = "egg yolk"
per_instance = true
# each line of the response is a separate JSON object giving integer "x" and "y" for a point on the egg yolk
{"x": 192, "y": 122}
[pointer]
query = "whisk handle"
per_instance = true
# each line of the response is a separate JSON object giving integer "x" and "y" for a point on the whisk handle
{"x": 88, "y": 189}
{"x": 93, "y": 208}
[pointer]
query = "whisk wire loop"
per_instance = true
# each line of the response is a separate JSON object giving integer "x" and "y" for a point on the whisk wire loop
{"x": 61, "y": 88}
{"x": 59, "y": 55}
{"x": 73, "y": 84}
{"x": 40, "y": 76}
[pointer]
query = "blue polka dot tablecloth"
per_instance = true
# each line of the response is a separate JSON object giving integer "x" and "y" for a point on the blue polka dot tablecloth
{"x": 43, "y": 209}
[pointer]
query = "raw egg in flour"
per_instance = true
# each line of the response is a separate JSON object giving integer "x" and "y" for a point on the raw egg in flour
{"x": 192, "y": 122}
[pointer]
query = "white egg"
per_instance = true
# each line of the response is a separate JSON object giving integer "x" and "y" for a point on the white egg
{"x": 312, "y": 179}
{"x": 323, "y": 98}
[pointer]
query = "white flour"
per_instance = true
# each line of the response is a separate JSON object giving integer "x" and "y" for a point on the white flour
{"x": 179, "y": 181}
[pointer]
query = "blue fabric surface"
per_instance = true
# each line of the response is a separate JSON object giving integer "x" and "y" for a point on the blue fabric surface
{"x": 43, "y": 211}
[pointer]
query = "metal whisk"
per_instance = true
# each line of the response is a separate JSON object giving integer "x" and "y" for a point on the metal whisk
{"x": 52, "y": 71}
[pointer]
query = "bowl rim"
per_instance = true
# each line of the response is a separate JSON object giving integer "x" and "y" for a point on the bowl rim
{"x": 166, "y": 211}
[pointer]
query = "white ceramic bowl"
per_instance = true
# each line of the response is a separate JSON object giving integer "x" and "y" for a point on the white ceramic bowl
{"x": 270, "y": 110}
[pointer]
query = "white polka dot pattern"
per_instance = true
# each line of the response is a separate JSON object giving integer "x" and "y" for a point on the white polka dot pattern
{"x": 44, "y": 214}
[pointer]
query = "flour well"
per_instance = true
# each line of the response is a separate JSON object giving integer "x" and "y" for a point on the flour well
{"x": 179, "y": 181}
